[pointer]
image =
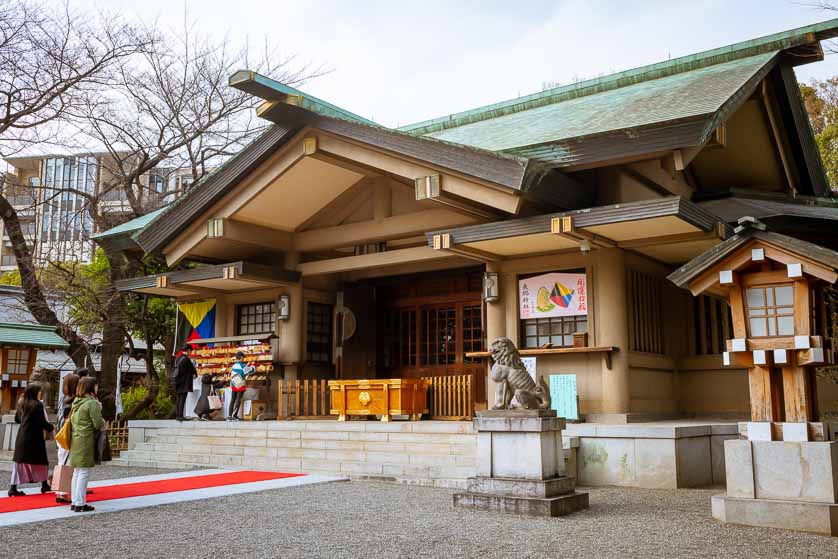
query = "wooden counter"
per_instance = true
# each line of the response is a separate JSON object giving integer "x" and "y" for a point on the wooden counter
{"x": 606, "y": 352}
{"x": 384, "y": 397}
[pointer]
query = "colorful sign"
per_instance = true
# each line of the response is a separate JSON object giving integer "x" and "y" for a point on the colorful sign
{"x": 563, "y": 396}
{"x": 196, "y": 321}
{"x": 556, "y": 294}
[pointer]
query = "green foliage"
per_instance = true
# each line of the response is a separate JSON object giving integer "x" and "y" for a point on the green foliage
{"x": 10, "y": 278}
{"x": 821, "y": 101}
{"x": 164, "y": 402}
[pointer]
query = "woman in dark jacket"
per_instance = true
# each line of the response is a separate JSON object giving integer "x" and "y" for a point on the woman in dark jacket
{"x": 202, "y": 408}
{"x": 31, "y": 463}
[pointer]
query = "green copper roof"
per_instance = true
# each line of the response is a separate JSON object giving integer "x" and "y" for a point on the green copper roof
{"x": 130, "y": 227}
{"x": 31, "y": 335}
{"x": 272, "y": 90}
{"x": 677, "y": 97}
{"x": 776, "y": 42}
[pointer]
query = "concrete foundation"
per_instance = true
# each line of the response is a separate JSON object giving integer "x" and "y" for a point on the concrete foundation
{"x": 781, "y": 484}
{"x": 818, "y": 518}
{"x": 668, "y": 454}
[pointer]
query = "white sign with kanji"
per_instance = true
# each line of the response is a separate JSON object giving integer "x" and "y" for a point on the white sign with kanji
{"x": 554, "y": 294}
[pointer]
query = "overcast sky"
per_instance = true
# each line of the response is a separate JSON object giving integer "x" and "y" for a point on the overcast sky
{"x": 401, "y": 61}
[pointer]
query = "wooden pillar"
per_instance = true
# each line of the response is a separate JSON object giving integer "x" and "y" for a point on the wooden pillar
{"x": 766, "y": 394}
{"x": 496, "y": 319}
{"x": 290, "y": 331}
{"x": 798, "y": 394}
{"x": 613, "y": 328}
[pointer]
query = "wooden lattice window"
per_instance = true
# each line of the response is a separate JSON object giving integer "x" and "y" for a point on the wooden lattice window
{"x": 711, "y": 325}
{"x": 472, "y": 331}
{"x": 18, "y": 362}
{"x": 318, "y": 332}
{"x": 646, "y": 328}
{"x": 770, "y": 310}
{"x": 258, "y": 318}
{"x": 439, "y": 336}
{"x": 558, "y": 330}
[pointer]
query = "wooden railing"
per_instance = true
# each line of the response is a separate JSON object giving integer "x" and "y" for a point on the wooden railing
{"x": 304, "y": 399}
{"x": 118, "y": 436}
{"x": 450, "y": 397}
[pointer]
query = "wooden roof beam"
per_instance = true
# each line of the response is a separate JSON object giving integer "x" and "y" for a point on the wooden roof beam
{"x": 564, "y": 227}
{"x": 443, "y": 242}
{"x": 374, "y": 260}
{"x": 398, "y": 226}
{"x": 248, "y": 233}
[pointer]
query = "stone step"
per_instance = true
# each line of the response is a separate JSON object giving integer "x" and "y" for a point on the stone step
{"x": 126, "y": 463}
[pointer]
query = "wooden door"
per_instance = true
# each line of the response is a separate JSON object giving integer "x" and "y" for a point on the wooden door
{"x": 434, "y": 338}
{"x": 359, "y": 351}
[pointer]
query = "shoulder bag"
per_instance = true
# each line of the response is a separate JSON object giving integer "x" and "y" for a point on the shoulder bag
{"x": 65, "y": 435}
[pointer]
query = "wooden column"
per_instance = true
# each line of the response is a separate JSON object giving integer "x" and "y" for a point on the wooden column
{"x": 766, "y": 394}
{"x": 613, "y": 328}
{"x": 798, "y": 394}
{"x": 290, "y": 331}
{"x": 496, "y": 319}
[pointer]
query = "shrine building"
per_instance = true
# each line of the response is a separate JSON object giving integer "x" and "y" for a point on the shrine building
{"x": 342, "y": 249}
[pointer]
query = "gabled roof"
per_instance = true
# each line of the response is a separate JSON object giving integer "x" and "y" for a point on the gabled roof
{"x": 807, "y": 36}
{"x": 31, "y": 335}
{"x": 266, "y": 88}
{"x": 209, "y": 189}
{"x": 542, "y": 131}
{"x": 768, "y": 206}
{"x": 698, "y": 265}
{"x": 129, "y": 227}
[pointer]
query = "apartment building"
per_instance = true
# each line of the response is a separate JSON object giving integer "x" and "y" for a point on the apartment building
{"x": 46, "y": 192}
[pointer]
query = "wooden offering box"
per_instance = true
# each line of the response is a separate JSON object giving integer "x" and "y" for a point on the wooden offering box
{"x": 384, "y": 397}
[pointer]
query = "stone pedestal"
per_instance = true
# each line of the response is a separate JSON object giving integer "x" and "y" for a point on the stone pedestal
{"x": 781, "y": 484}
{"x": 520, "y": 466}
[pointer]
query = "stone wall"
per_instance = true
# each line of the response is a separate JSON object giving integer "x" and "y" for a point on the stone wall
{"x": 439, "y": 453}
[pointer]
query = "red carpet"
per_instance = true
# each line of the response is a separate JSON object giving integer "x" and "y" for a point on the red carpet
{"x": 140, "y": 489}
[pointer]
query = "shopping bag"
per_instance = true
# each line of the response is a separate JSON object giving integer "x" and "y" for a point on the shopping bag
{"x": 62, "y": 479}
{"x": 214, "y": 401}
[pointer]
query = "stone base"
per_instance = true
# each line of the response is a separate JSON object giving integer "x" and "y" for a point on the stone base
{"x": 514, "y": 487}
{"x": 548, "y": 497}
{"x": 559, "y": 505}
{"x": 818, "y": 518}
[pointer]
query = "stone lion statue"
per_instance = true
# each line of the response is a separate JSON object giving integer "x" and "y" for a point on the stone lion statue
{"x": 515, "y": 387}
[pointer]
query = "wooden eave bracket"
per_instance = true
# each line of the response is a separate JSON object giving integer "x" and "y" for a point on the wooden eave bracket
{"x": 564, "y": 227}
{"x": 442, "y": 241}
{"x": 431, "y": 187}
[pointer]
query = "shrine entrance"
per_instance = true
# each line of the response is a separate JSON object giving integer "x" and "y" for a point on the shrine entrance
{"x": 424, "y": 326}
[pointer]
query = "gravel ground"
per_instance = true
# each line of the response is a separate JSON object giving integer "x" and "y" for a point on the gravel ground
{"x": 359, "y": 519}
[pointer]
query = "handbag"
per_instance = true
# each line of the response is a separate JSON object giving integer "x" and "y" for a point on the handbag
{"x": 101, "y": 447}
{"x": 237, "y": 381}
{"x": 65, "y": 435}
{"x": 214, "y": 401}
{"x": 62, "y": 477}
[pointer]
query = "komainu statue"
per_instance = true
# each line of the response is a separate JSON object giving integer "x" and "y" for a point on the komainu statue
{"x": 515, "y": 387}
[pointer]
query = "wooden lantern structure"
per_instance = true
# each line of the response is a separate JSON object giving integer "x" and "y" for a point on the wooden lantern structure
{"x": 774, "y": 285}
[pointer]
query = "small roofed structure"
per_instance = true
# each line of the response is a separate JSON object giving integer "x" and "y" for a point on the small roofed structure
{"x": 20, "y": 344}
{"x": 773, "y": 283}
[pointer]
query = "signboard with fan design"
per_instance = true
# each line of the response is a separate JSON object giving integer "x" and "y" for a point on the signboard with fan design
{"x": 554, "y": 294}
